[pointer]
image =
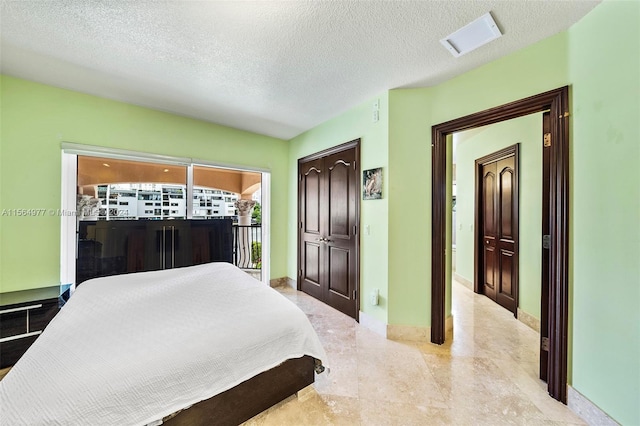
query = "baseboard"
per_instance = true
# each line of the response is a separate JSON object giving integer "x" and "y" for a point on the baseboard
{"x": 401, "y": 332}
{"x": 409, "y": 332}
{"x": 283, "y": 282}
{"x": 529, "y": 320}
{"x": 306, "y": 393}
{"x": 587, "y": 410}
{"x": 462, "y": 280}
{"x": 278, "y": 282}
{"x": 373, "y": 324}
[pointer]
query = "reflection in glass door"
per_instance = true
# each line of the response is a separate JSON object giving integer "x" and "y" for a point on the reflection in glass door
{"x": 112, "y": 189}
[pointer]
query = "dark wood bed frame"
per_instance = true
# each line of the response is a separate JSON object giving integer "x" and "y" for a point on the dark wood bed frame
{"x": 250, "y": 397}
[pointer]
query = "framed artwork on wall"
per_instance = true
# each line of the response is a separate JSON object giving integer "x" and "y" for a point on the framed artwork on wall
{"x": 372, "y": 184}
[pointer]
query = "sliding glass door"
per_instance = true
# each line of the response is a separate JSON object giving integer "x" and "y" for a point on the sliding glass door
{"x": 137, "y": 193}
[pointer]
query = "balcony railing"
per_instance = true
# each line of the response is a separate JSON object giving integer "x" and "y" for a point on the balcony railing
{"x": 247, "y": 246}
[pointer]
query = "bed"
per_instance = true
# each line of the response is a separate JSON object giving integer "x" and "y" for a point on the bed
{"x": 200, "y": 344}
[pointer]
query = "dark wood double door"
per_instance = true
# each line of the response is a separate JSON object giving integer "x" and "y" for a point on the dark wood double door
{"x": 497, "y": 225}
{"x": 329, "y": 204}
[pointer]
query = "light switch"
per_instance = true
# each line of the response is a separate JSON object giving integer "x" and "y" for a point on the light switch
{"x": 375, "y": 294}
{"x": 375, "y": 109}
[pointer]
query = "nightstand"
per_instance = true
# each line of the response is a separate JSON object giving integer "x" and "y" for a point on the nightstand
{"x": 23, "y": 316}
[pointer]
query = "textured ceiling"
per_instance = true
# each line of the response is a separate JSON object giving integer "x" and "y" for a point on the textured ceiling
{"x": 277, "y": 68}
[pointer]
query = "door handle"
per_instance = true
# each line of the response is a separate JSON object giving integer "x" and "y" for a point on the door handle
{"x": 162, "y": 248}
{"x": 173, "y": 246}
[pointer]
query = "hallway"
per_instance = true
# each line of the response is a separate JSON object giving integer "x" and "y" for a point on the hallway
{"x": 486, "y": 375}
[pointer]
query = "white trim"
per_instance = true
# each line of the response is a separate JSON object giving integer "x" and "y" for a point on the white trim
{"x": 68, "y": 223}
{"x": 373, "y": 324}
{"x": 125, "y": 154}
{"x": 190, "y": 191}
{"x": 265, "y": 205}
{"x": 231, "y": 166}
{"x": 587, "y": 410}
{"x": 101, "y": 151}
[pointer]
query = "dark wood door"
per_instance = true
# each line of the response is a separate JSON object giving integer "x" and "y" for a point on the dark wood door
{"x": 328, "y": 242}
{"x": 489, "y": 231}
{"x": 312, "y": 190}
{"x": 498, "y": 211}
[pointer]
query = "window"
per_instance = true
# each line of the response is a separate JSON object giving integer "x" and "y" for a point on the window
{"x": 109, "y": 184}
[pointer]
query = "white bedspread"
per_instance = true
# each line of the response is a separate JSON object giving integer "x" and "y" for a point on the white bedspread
{"x": 131, "y": 349}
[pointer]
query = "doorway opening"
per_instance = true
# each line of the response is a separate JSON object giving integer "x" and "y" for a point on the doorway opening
{"x": 496, "y": 236}
{"x": 556, "y": 316}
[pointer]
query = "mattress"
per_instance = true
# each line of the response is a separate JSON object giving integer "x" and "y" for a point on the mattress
{"x": 132, "y": 349}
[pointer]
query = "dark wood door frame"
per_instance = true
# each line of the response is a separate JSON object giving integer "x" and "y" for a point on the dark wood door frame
{"x": 557, "y": 102}
{"x": 329, "y": 151}
{"x": 546, "y": 258}
{"x": 478, "y": 270}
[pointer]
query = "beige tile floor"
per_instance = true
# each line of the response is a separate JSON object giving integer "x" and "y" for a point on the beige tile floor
{"x": 486, "y": 375}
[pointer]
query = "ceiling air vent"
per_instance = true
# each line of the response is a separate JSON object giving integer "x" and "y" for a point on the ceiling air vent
{"x": 471, "y": 36}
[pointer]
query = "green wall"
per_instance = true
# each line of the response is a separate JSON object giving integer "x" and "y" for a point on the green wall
{"x": 412, "y": 113}
{"x": 604, "y": 69}
{"x": 409, "y": 207}
{"x": 36, "y": 118}
{"x": 598, "y": 59}
{"x": 476, "y": 143}
{"x": 356, "y": 123}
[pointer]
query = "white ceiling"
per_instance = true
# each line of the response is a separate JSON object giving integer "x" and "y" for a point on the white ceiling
{"x": 277, "y": 68}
